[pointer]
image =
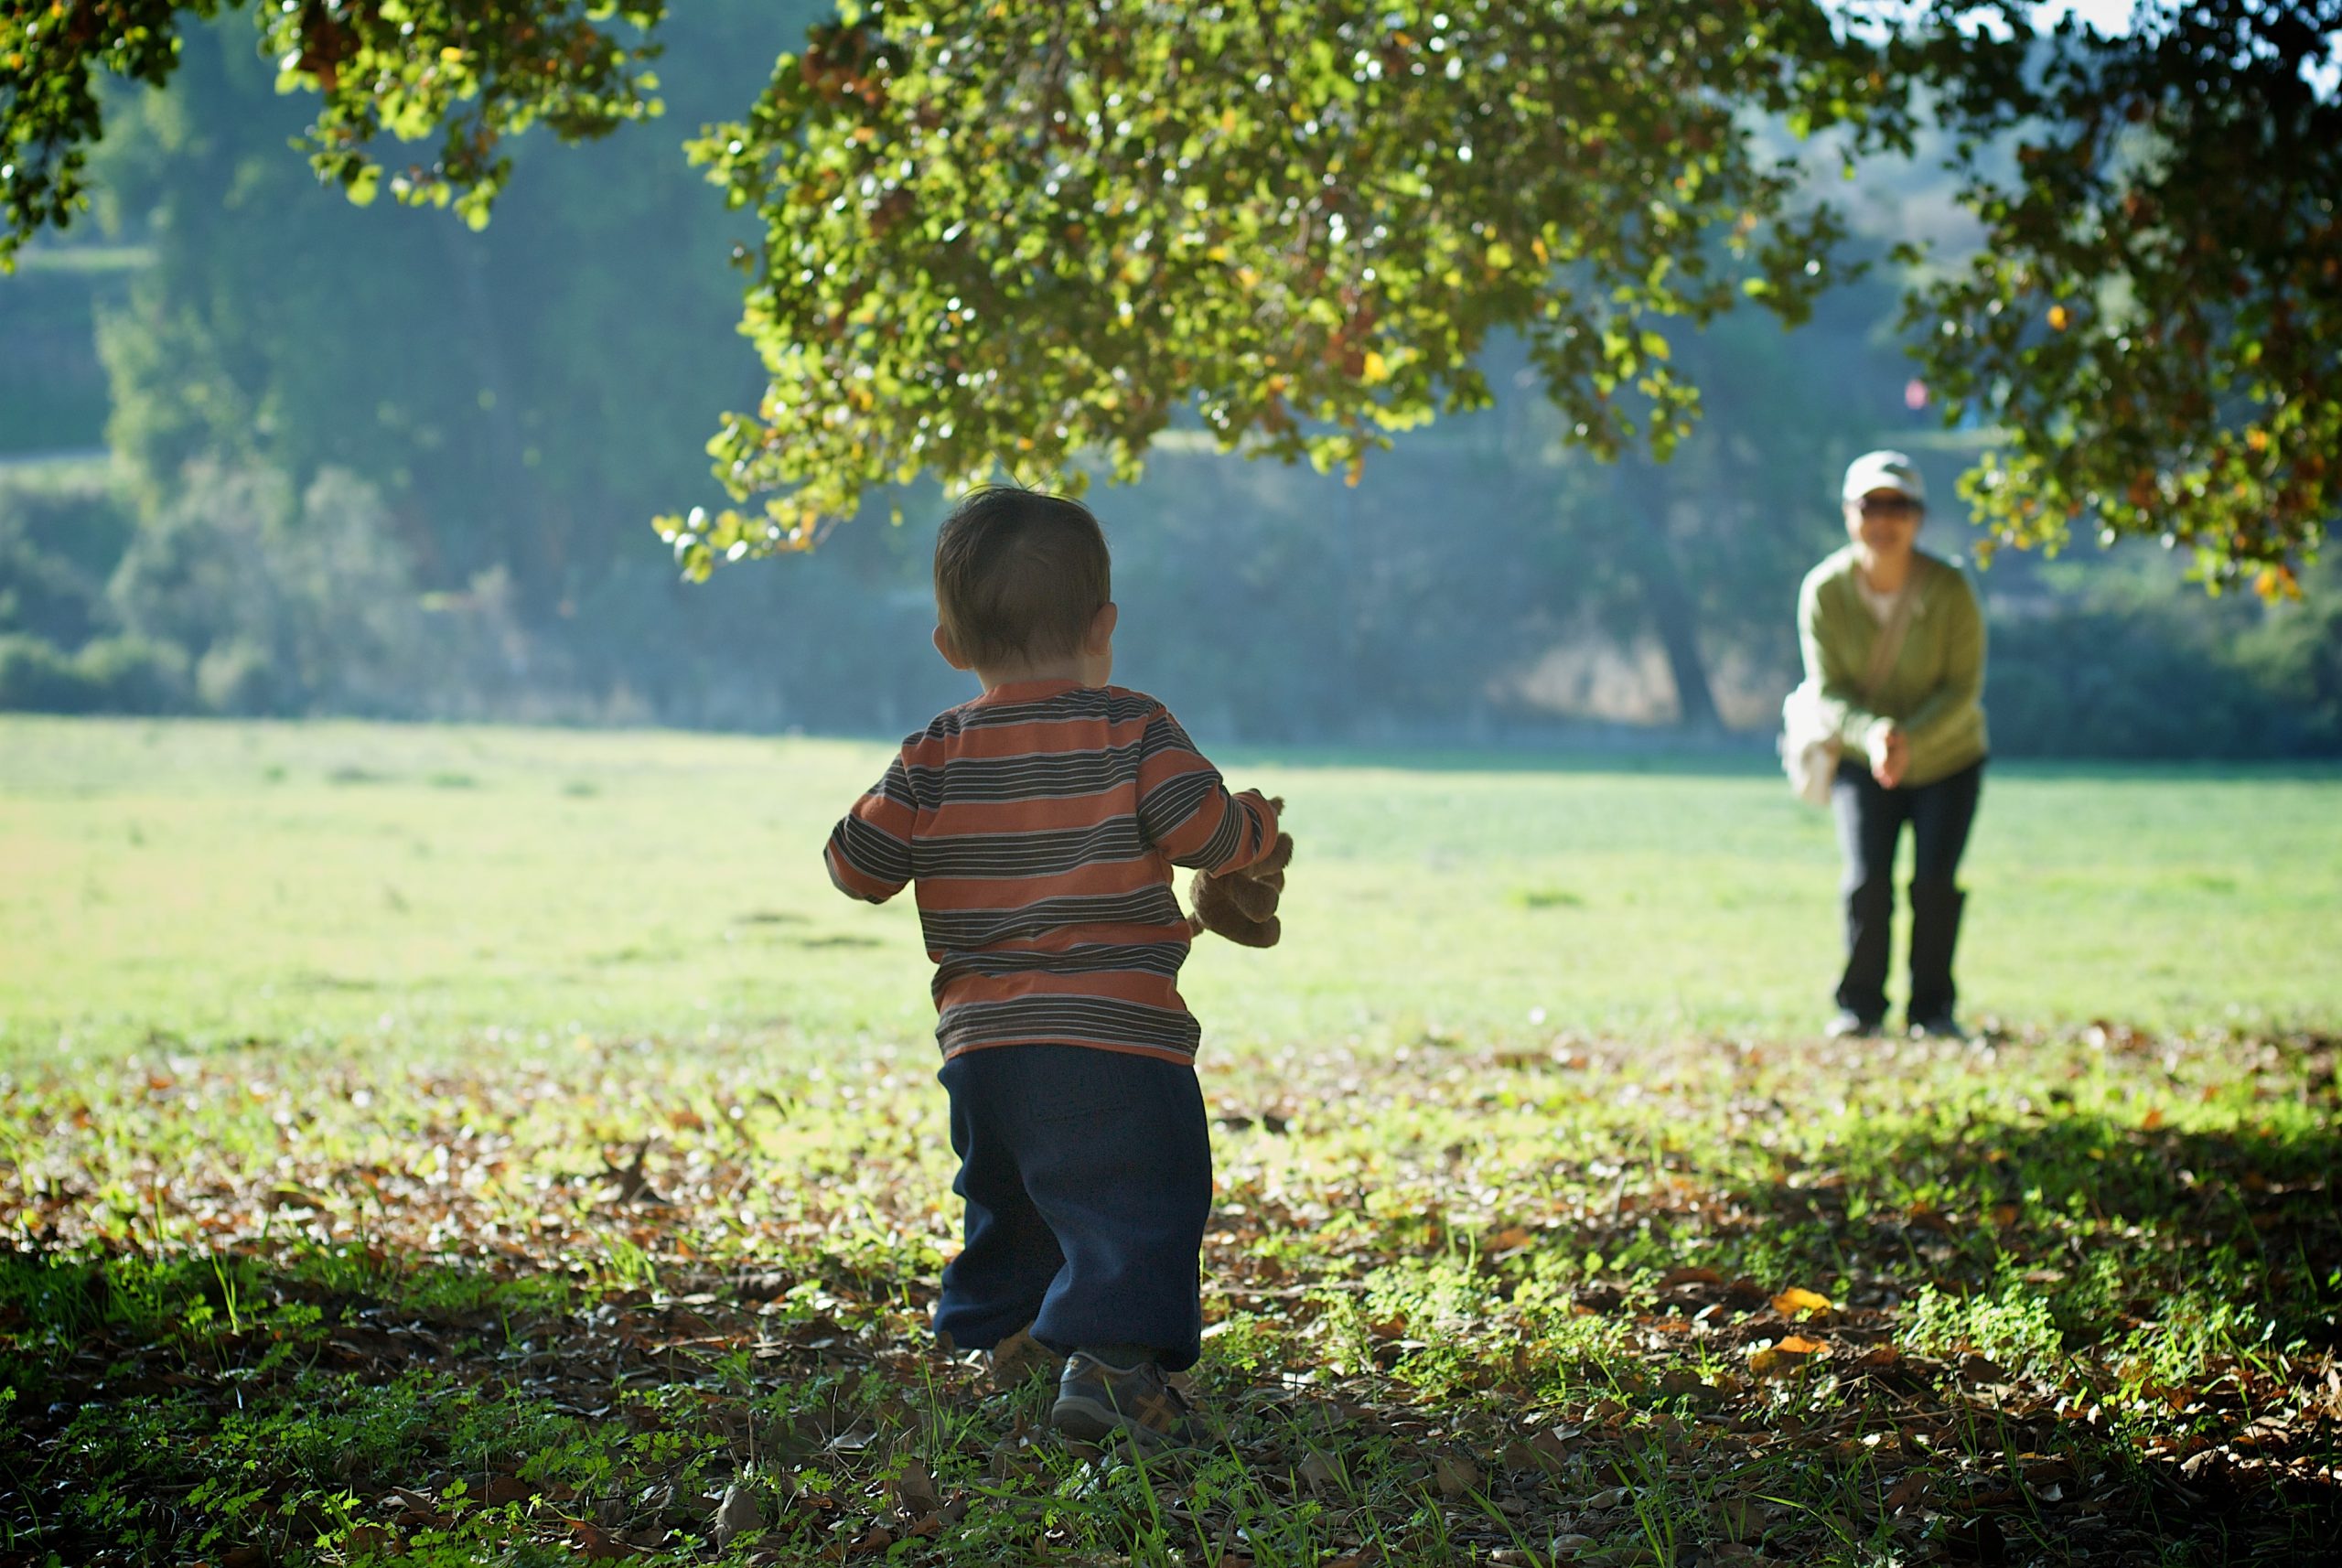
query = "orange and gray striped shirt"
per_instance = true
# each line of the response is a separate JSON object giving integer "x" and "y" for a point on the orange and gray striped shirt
{"x": 1040, "y": 823}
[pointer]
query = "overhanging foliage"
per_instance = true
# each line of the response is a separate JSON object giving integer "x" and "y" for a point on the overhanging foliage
{"x": 1007, "y": 237}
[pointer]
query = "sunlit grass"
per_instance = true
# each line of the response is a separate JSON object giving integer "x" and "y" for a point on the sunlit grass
{"x": 434, "y": 887}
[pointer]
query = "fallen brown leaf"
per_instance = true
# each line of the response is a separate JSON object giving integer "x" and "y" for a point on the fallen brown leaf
{"x": 1455, "y": 1476}
{"x": 914, "y": 1491}
{"x": 1674, "y": 1278}
{"x": 737, "y": 1514}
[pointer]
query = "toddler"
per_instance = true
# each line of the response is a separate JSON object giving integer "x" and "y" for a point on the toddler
{"x": 1039, "y": 823}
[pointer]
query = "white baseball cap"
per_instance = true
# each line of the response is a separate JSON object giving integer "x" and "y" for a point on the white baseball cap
{"x": 1885, "y": 471}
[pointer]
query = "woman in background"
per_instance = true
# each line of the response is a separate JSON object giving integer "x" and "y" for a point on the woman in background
{"x": 1894, "y": 639}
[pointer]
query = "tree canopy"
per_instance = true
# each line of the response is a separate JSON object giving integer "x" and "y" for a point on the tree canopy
{"x": 471, "y": 72}
{"x": 1010, "y": 238}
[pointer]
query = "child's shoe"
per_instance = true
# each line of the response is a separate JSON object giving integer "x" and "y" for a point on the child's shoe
{"x": 1020, "y": 1357}
{"x": 1097, "y": 1402}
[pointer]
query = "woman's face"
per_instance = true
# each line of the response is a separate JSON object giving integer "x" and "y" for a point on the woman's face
{"x": 1884, "y": 522}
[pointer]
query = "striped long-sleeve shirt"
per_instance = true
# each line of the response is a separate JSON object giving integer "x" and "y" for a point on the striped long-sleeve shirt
{"x": 1040, "y": 823}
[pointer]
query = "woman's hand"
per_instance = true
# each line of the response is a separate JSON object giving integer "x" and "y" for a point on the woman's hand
{"x": 1890, "y": 755}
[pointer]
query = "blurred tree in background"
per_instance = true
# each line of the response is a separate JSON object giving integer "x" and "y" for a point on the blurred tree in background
{"x": 448, "y": 365}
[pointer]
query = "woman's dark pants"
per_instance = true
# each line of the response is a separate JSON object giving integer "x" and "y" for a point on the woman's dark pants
{"x": 1087, "y": 1175}
{"x": 1870, "y": 821}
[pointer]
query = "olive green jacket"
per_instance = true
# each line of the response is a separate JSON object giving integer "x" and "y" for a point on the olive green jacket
{"x": 1936, "y": 690}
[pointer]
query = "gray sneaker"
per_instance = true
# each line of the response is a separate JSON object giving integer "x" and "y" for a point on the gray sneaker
{"x": 1943, "y": 1026}
{"x": 1097, "y": 1402}
{"x": 1020, "y": 1359}
{"x": 1849, "y": 1025}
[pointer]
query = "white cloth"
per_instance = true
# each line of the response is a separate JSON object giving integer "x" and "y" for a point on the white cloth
{"x": 1881, "y": 605}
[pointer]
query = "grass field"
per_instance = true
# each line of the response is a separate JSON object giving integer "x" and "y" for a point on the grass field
{"x": 422, "y": 885}
{"x": 477, "y": 1145}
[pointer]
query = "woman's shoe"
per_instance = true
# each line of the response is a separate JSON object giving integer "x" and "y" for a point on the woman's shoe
{"x": 1850, "y": 1024}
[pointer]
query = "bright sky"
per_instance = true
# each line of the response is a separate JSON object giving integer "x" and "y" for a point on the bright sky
{"x": 2106, "y": 16}
{"x": 2114, "y": 17}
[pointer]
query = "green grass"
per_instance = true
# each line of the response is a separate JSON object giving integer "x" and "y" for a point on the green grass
{"x": 458, "y": 1145}
{"x": 207, "y": 882}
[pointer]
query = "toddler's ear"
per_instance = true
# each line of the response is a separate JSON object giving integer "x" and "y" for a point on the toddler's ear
{"x": 951, "y": 651}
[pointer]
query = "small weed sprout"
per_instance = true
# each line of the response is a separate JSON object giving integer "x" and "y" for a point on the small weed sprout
{"x": 2013, "y": 1326}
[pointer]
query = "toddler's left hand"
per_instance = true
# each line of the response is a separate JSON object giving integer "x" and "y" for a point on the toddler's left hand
{"x": 1241, "y": 905}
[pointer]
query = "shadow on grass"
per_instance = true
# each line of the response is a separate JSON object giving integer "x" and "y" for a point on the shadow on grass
{"x": 325, "y": 1404}
{"x": 2244, "y": 1215}
{"x": 2166, "y": 1302}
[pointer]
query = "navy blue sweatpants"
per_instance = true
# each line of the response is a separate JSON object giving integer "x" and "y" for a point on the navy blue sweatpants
{"x": 1087, "y": 1175}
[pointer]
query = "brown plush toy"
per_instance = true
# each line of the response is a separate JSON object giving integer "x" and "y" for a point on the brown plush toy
{"x": 1242, "y": 904}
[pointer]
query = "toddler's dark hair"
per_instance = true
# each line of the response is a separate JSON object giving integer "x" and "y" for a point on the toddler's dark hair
{"x": 1019, "y": 575}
